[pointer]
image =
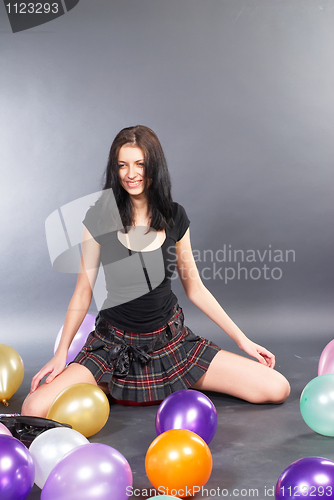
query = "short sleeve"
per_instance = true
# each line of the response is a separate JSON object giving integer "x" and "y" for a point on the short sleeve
{"x": 181, "y": 221}
{"x": 91, "y": 221}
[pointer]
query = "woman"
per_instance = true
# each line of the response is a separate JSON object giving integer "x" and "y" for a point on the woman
{"x": 140, "y": 350}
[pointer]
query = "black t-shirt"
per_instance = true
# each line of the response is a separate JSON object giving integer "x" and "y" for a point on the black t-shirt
{"x": 139, "y": 295}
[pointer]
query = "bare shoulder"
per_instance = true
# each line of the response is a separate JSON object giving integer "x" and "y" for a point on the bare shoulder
{"x": 186, "y": 265}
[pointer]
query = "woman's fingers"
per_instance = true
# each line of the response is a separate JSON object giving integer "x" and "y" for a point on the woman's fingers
{"x": 269, "y": 357}
{"x": 53, "y": 374}
{"x": 258, "y": 352}
{"x": 53, "y": 367}
{"x": 264, "y": 356}
{"x": 261, "y": 359}
{"x": 35, "y": 381}
{"x": 38, "y": 377}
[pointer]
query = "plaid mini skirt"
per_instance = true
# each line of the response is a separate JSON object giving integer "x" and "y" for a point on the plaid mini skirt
{"x": 146, "y": 367}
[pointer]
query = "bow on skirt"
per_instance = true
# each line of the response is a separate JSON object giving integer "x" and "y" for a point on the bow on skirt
{"x": 121, "y": 354}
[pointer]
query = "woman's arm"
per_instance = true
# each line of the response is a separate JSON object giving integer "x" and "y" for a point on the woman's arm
{"x": 82, "y": 296}
{"x": 77, "y": 309}
{"x": 205, "y": 301}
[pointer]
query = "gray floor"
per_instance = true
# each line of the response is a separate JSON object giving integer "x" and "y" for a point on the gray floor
{"x": 253, "y": 443}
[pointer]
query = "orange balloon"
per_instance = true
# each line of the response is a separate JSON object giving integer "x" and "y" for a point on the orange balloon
{"x": 178, "y": 463}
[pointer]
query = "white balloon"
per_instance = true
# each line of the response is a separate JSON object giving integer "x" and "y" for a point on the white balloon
{"x": 50, "y": 447}
{"x": 5, "y": 430}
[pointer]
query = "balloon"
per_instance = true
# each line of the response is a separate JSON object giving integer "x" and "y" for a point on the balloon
{"x": 5, "y": 430}
{"x": 178, "y": 462}
{"x": 309, "y": 478}
{"x": 80, "y": 337}
{"x": 91, "y": 472}
{"x": 50, "y": 447}
{"x": 17, "y": 469}
{"x": 164, "y": 497}
{"x": 326, "y": 361}
{"x": 187, "y": 409}
{"x": 84, "y": 406}
{"x": 317, "y": 404}
{"x": 11, "y": 372}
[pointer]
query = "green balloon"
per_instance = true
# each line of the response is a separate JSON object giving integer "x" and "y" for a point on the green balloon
{"x": 164, "y": 497}
{"x": 317, "y": 404}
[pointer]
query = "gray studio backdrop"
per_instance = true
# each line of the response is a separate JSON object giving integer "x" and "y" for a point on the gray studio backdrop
{"x": 240, "y": 93}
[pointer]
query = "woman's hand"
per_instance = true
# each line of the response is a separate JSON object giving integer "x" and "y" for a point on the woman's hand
{"x": 264, "y": 356}
{"x": 55, "y": 366}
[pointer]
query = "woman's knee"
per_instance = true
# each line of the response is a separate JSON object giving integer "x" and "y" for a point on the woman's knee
{"x": 34, "y": 406}
{"x": 39, "y": 402}
{"x": 283, "y": 390}
{"x": 277, "y": 389}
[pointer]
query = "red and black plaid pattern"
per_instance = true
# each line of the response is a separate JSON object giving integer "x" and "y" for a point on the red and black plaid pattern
{"x": 176, "y": 366}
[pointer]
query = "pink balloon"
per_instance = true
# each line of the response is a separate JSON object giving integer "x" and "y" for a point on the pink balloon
{"x": 87, "y": 326}
{"x": 326, "y": 361}
{"x": 93, "y": 471}
{"x": 5, "y": 430}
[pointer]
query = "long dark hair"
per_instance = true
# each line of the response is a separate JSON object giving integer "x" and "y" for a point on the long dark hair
{"x": 158, "y": 193}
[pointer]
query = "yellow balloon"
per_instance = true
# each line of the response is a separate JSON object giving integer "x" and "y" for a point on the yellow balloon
{"x": 11, "y": 372}
{"x": 84, "y": 406}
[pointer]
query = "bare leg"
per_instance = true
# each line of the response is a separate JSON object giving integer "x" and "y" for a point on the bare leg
{"x": 244, "y": 378}
{"x": 38, "y": 403}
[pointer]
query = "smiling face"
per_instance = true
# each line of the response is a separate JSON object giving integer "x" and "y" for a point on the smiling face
{"x": 131, "y": 169}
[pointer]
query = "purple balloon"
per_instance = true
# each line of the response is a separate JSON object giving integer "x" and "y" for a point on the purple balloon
{"x": 87, "y": 326}
{"x": 326, "y": 361}
{"x": 187, "y": 409}
{"x": 308, "y": 478}
{"x": 17, "y": 469}
{"x": 92, "y": 471}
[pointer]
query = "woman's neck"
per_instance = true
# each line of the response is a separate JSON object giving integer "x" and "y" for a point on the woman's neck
{"x": 141, "y": 215}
